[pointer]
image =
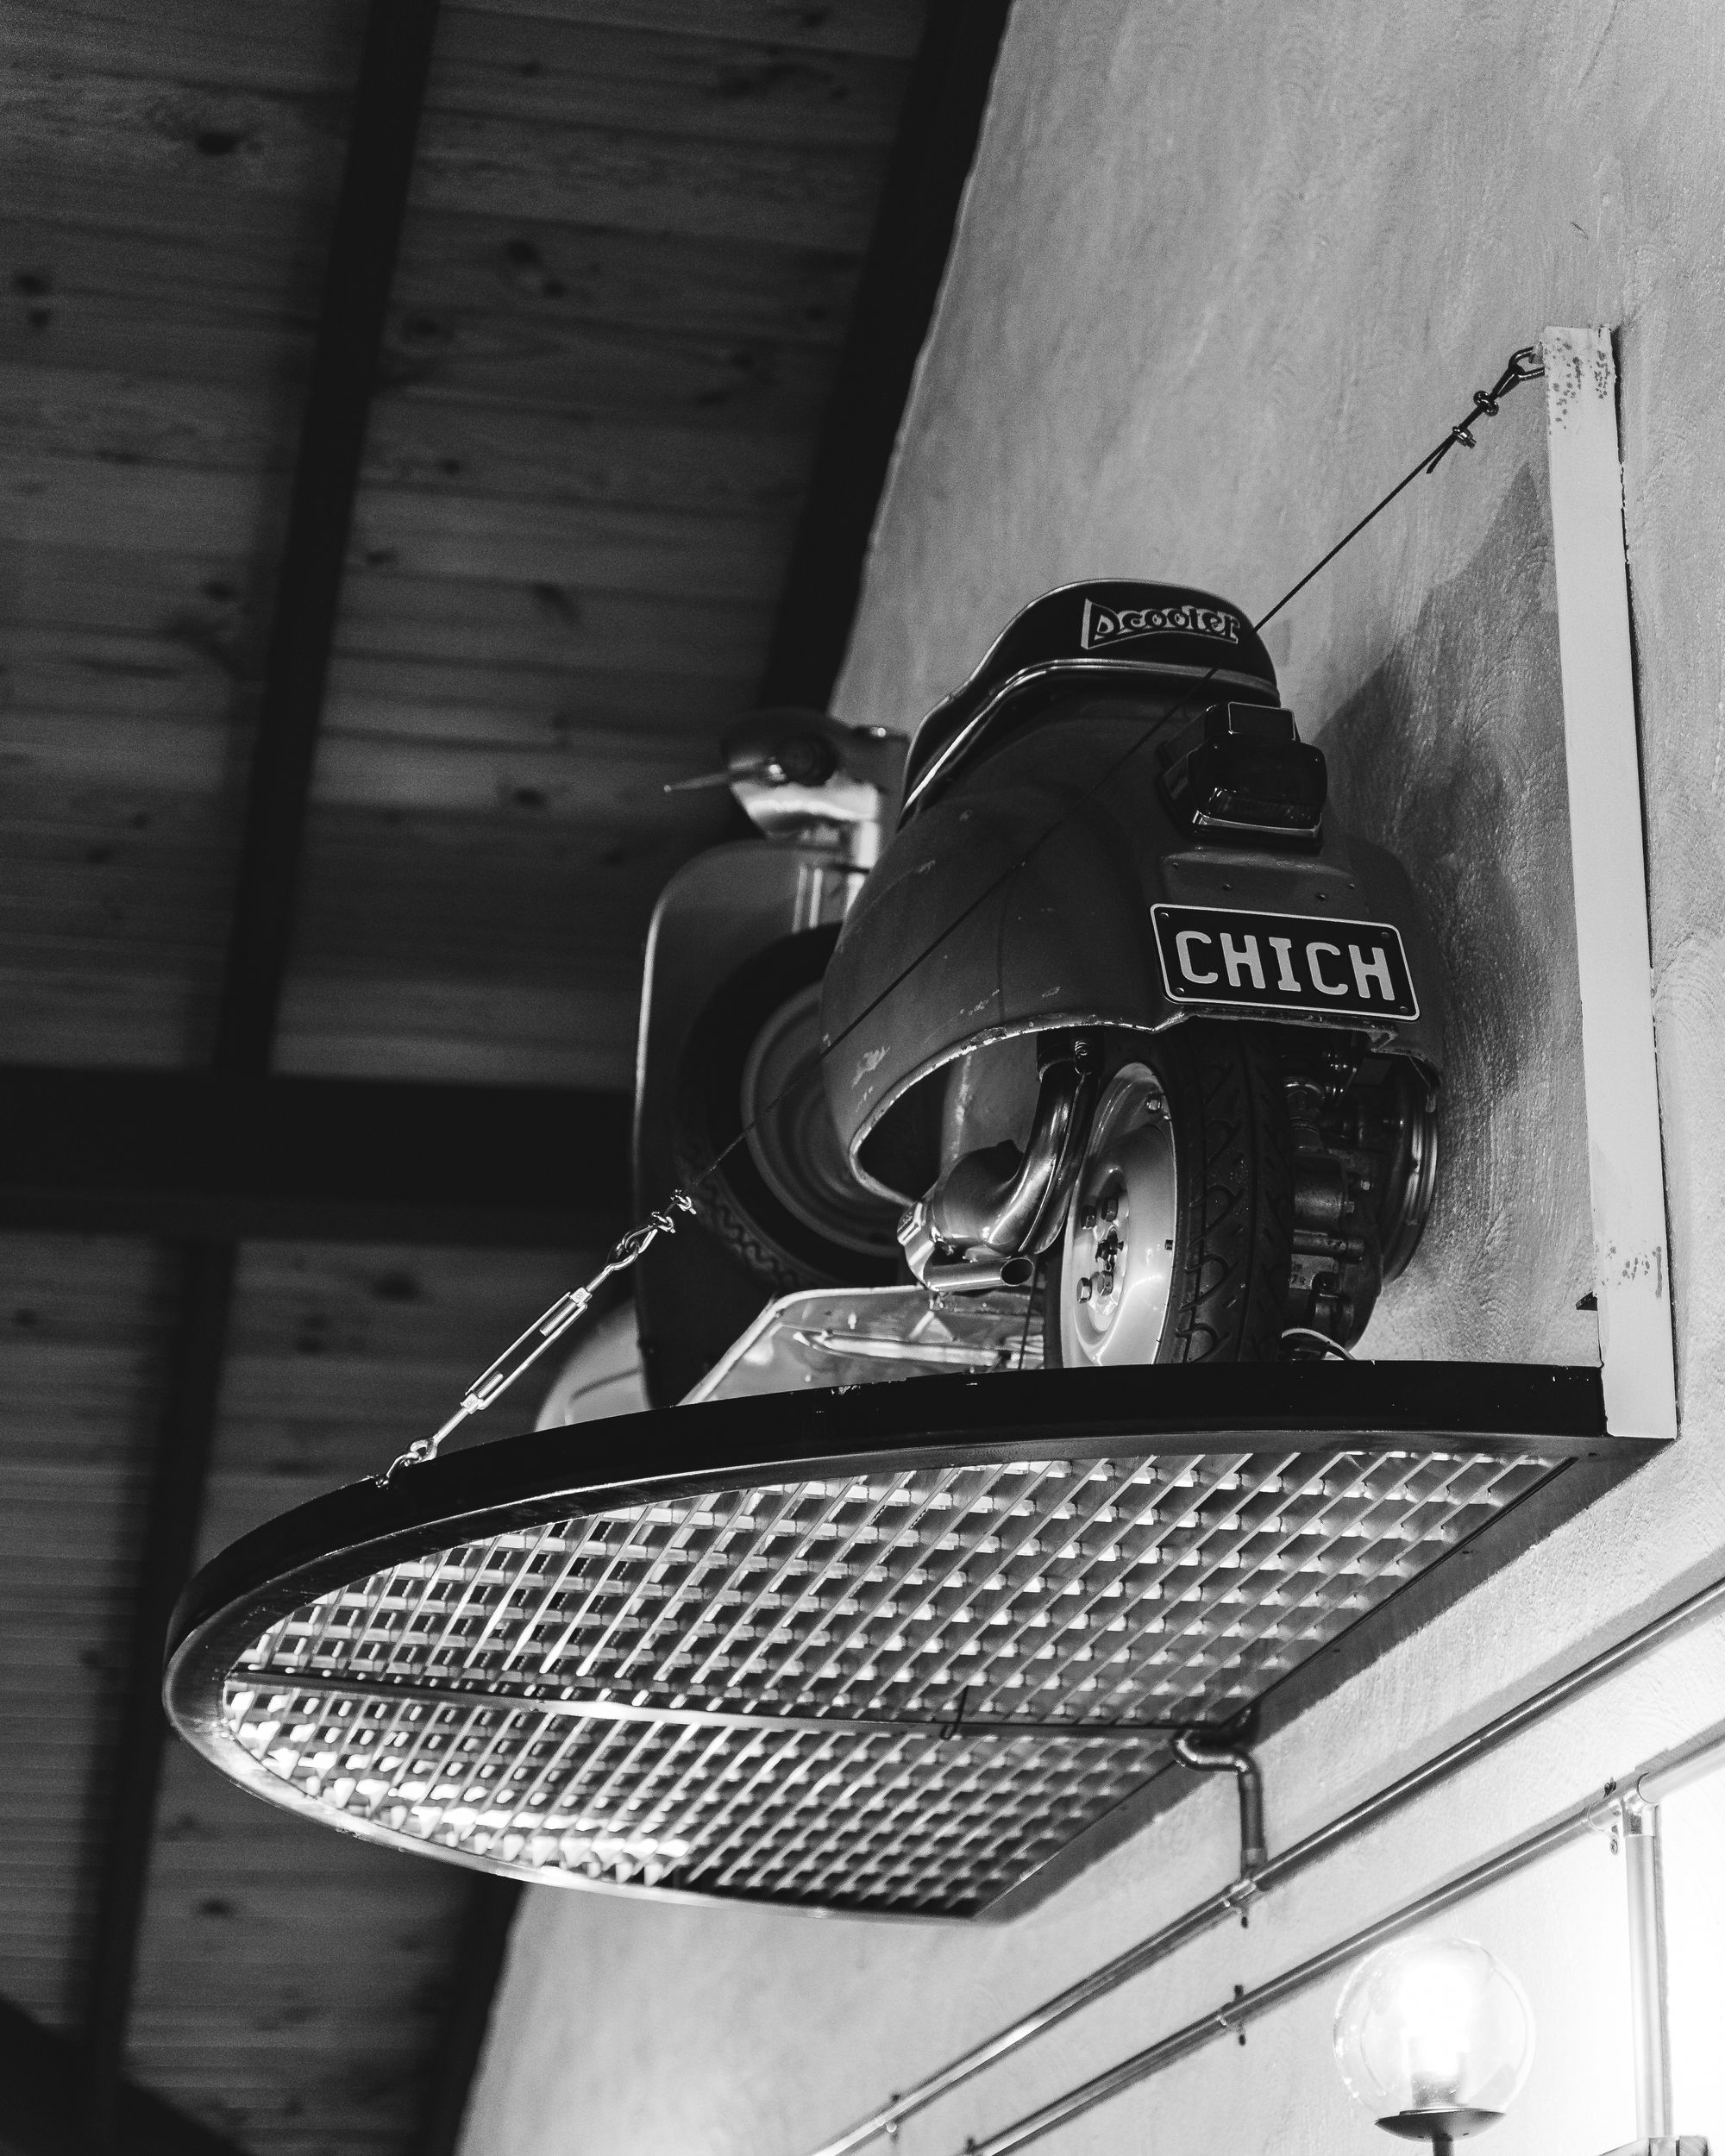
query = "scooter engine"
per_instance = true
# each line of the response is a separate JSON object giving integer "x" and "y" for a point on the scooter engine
{"x": 1364, "y": 1132}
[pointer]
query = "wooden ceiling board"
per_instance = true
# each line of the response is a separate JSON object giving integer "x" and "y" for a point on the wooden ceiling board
{"x": 608, "y": 783}
{"x": 797, "y": 194}
{"x": 123, "y": 758}
{"x": 502, "y": 941}
{"x": 71, "y": 1015}
{"x": 657, "y": 461}
{"x": 632, "y": 718}
{"x": 71, "y": 293}
{"x": 68, "y": 750}
{"x": 474, "y": 1032}
{"x": 618, "y": 546}
{"x": 169, "y": 676}
{"x": 653, "y": 240}
{"x": 291, "y": 44}
{"x": 241, "y": 355}
{"x": 607, "y": 787}
{"x": 63, "y": 501}
{"x": 559, "y": 625}
{"x": 292, "y": 1980}
{"x": 127, "y": 835}
{"x": 205, "y": 603}
{"x": 340, "y": 1354}
{"x": 599, "y": 368}
{"x": 469, "y": 948}
{"x": 82, "y": 1319}
{"x": 716, "y": 424}
{"x": 111, "y": 935}
{"x": 309, "y": 45}
{"x": 233, "y": 254}
{"x": 268, "y": 267}
{"x": 153, "y": 346}
{"x": 505, "y": 894}
{"x": 218, "y": 603}
{"x": 226, "y": 460}
{"x": 541, "y": 269}
{"x": 188, "y": 207}
{"x": 111, "y": 926}
{"x": 684, "y": 83}
{"x": 892, "y": 28}
{"x": 201, "y": 142}
{"x": 633, "y": 246}
{"x": 56, "y": 902}
{"x": 68, "y": 1550}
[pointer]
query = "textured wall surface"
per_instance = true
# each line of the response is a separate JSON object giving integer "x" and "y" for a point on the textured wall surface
{"x": 1222, "y": 273}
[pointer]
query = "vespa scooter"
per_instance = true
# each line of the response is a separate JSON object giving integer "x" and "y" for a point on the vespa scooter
{"x": 1122, "y": 1008}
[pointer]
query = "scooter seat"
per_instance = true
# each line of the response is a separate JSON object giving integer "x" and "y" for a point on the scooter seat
{"x": 1112, "y": 627}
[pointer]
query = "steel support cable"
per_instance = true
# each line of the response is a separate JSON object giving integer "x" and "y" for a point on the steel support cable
{"x": 1241, "y": 1893}
{"x": 1523, "y": 366}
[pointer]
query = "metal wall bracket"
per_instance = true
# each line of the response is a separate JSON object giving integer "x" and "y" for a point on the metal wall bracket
{"x": 1632, "y": 1265}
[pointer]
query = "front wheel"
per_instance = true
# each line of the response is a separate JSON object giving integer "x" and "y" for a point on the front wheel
{"x": 1179, "y": 1238}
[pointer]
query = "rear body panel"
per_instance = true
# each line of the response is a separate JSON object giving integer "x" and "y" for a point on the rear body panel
{"x": 1020, "y": 901}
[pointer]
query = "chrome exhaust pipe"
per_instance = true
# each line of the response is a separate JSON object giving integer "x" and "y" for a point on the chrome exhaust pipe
{"x": 1011, "y": 1205}
{"x": 972, "y": 1277}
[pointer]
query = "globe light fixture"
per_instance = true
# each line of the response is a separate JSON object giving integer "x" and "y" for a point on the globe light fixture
{"x": 1434, "y": 2037}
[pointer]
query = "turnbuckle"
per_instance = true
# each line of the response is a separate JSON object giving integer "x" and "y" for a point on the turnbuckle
{"x": 1524, "y": 366}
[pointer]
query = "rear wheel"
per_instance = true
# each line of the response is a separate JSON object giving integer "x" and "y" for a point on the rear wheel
{"x": 1179, "y": 1239}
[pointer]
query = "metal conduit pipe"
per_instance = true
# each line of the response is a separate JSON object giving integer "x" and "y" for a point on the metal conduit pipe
{"x": 1208, "y": 1755}
{"x": 1593, "y": 1813}
{"x": 1649, "y": 2017}
{"x": 1277, "y": 1870}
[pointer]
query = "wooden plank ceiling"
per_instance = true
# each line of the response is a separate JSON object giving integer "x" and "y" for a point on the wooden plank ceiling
{"x": 632, "y": 248}
{"x": 626, "y": 275}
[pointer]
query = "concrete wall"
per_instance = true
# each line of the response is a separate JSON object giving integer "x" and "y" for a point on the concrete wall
{"x": 1223, "y": 271}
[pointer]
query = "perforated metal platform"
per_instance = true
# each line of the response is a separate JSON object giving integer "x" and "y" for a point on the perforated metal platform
{"x": 813, "y": 1666}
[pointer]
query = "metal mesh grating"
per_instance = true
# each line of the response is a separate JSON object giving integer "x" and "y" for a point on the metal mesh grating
{"x": 536, "y": 1698}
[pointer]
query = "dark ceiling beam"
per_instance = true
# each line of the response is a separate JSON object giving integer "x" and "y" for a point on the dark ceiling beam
{"x": 394, "y": 64}
{"x": 365, "y": 238}
{"x": 185, "y": 1424}
{"x": 941, "y": 124}
{"x": 41, "y": 2072}
{"x": 193, "y": 1154}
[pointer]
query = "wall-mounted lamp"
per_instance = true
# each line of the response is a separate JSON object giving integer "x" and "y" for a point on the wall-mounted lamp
{"x": 1434, "y": 2037}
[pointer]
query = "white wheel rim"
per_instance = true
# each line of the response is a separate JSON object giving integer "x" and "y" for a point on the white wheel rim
{"x": 1117, "y": 1260}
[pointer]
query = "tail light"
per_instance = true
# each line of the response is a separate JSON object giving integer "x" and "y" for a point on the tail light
{"x": 1250, "y": 776}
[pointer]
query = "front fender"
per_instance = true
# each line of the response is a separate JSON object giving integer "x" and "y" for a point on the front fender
{"x": 997, "y": 913}
{"x": 1025, "y": 907}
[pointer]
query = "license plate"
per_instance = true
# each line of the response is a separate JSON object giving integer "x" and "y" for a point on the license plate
{"x": 1284, "y": 961}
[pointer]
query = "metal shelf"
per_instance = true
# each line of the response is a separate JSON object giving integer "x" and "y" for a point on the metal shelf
{"x": 890, "y": 1648}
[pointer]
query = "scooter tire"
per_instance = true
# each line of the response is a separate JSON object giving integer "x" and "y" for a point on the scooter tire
{"x": 1233, "y": 1152}
{"x": 734, "y": 1206}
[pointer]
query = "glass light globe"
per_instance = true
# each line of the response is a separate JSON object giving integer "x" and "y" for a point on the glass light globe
{"x": 1434, "y": 2037}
